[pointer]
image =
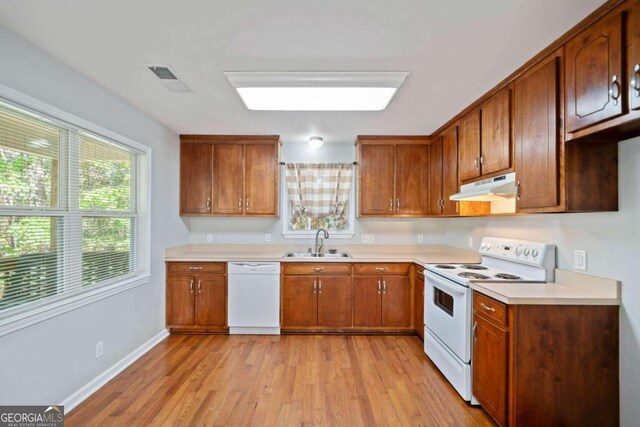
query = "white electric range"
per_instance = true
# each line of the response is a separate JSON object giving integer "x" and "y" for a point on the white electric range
{"x": 448, "y": 300}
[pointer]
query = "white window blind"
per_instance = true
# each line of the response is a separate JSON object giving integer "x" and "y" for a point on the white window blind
{"x": 71, "y": 206}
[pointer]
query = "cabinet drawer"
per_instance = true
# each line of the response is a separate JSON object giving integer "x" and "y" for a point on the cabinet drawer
{"x": 382, "y": 268}
{"x": 490, "y": 309}
{"x": 195, "y": 267}
{"x": 295, "y": 268}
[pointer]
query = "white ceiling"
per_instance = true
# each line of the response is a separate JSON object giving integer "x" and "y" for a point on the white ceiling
{"x": 454, "y": 50}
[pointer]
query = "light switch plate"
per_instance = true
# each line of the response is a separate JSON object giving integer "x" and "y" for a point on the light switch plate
{"x": 367, "y": 238}
{"x": 99, "y": 349}
{"x": 580, "y": 260}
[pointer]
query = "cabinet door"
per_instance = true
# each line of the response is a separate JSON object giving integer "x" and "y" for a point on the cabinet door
{"x": 633, "y": 59}
{"x": 435, "y": 177}
{"x": 180, "y": 300}
{"x": 261, "y": 179}
{"x": 396, "y": 301}
{"x": 418, "y": 318}
{"x": 367, "y": 301}
{"x": 496, "y": 133}
{"x": 334, "y": 301}
{"x": 469, "y": 157}
{"x": 228, "y": 159}
{"x": 375, "y": 192}
{"x": 449, "y": 170}
{"x": 299, "y": 301}
{"x": 490, "y": 368}
{"x": 211, "y": 300}
{"x": 412, "y": 180}
{"x": 594, "y": 79}
{"x": 537, "y": 133}
{"x": 195, "y": 178}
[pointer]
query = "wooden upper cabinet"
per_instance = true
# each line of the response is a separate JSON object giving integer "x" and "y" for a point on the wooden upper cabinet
{"x": 242, "y": 177}
{"x": 633, "y": 56}
{"x": 435, "y": 176}
{"x": 376, "y": 180}
{"x": 469, "y": 152}
{"x": 412, "y": 180}
{"x": 449, "y": 170}
{"x": 538, "y": 136}
{"x": 195, "y": 177}
{"x": 261, "y": 179}
{"x": 228, "y": 164}
{"x": 594, "y": 85}
{"x": 495, "y": 135}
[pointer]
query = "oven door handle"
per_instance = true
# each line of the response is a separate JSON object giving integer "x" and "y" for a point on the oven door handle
{"x": 443, "y": 283}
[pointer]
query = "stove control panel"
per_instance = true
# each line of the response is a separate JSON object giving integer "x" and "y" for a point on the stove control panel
{"x": 522, "y": 251}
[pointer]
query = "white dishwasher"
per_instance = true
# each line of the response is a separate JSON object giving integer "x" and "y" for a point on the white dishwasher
{"x": 254, "y": 298}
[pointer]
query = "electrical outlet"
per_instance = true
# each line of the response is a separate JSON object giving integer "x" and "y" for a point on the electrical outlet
{"x": 99, "y": 349}
{"x": 209, "y": 238}
{"x": 267, "y": 237}
{"x": 420, "y": 238}
{"x": 367, "y": 238}
{"x": 580, "y": 260}
{"x": 470, "y": 242}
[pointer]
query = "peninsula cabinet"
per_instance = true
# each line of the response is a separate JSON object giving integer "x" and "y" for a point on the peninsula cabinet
{"x": 393, "y": 176}
{"x": 546, "y": 365}
{"x": 485, "y": 139}
{"x": 443, "y": 173}
{"x": 382, "y": 296}
{"x": 223, "y": 175}
{"x": 196, "y": 297}
{"x": 316, "y": 297}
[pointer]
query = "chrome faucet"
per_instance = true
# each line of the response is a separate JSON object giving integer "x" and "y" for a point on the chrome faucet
{"x": 319, "y": 242}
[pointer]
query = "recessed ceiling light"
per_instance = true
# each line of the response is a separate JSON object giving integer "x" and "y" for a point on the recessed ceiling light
{"x": 316, "y": 91}
{"x": 316, "y": 141}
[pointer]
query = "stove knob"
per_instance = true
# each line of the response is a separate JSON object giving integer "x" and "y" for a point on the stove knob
{"x": 526, "y": 252}
{"x": 488, "y": 246}
{"x": 534, "y": 253}
{"x": 518, "y": 250}
{"x": 482, "y": 246}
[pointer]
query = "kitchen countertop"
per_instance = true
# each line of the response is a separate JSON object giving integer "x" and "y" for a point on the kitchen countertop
{"x": 421, "y": 254}
{"x": 569, "y": 288}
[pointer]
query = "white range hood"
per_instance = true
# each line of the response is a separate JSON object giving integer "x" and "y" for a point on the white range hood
{"x": 498, "y": 188}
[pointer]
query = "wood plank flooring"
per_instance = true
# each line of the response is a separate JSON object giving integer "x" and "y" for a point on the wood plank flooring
{"x": 291, "y": 380}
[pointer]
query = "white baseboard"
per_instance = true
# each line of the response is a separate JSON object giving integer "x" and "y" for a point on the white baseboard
{"x": 95, "y": 384}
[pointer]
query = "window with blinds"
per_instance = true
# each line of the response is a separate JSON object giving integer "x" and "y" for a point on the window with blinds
{"x": 70, "y": 210}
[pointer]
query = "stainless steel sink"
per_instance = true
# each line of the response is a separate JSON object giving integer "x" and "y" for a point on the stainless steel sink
{"x": 312, "y": 255}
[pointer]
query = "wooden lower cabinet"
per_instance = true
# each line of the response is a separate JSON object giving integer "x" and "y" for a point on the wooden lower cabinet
{"x": 546, "y": 365}
{"x": 382, "y": 301}
{"x": 196, "y": 303}
{"x": 316, "y": 301}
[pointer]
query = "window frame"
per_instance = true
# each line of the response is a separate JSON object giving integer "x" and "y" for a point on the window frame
{"x": 306, "y": 234}
{"x": 13, "y": 320}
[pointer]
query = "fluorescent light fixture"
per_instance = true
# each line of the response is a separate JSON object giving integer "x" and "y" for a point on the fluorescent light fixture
{"x": 316, "y": 91}
{"x": 316, "y": 141}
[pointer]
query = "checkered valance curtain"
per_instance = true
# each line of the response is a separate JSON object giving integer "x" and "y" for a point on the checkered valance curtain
{"x": 319, "y": 190}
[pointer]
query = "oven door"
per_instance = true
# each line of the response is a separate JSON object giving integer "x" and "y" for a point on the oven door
{"x": 447, "y": 313}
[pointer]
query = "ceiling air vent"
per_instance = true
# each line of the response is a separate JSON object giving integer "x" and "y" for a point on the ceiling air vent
{"x": 168, "y": 78}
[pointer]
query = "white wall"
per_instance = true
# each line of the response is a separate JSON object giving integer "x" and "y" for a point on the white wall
{"x": 613, "y": 244}
{"x": 45, "y": 363}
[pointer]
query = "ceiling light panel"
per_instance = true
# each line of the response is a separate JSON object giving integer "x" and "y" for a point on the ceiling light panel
{"x": 318, "y": 91}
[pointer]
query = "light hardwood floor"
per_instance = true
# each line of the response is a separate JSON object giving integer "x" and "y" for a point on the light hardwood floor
{"x": 280, "y": 380}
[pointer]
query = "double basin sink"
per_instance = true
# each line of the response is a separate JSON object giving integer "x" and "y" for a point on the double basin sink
{"x": 314, "y": 255}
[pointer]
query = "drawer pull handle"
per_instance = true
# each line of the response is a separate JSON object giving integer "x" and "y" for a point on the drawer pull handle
{"x": 195, "y": 268}
{"x": 486, "y": 307}
{"x": 614, "y": 89}
{"x": 317, "y": 268}
{"x": 382, "y": 268}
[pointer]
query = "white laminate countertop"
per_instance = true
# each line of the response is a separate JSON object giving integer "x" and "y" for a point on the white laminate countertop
{"x": 421, "y": 254}
{"x": 569, "y": 288}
